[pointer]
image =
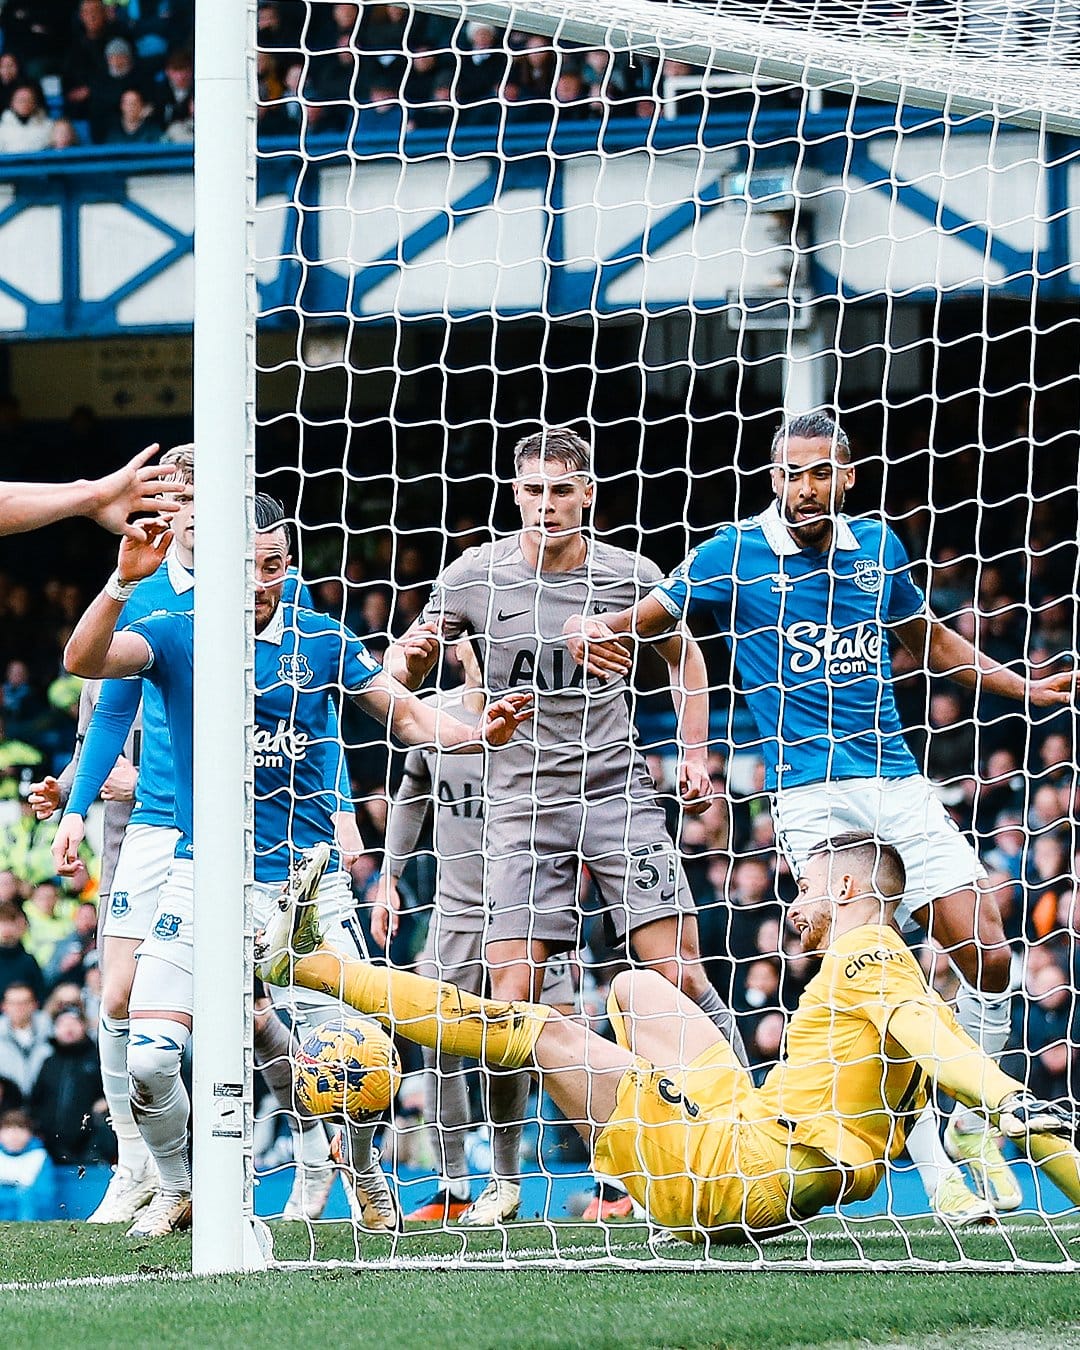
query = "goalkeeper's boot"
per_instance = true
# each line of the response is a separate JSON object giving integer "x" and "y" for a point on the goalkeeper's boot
{"x": 497, "y": 1203}
{"x": 168, "y": 1212}
{"x": 371, "y": 1197}
{"x": 991, "y": 1175}
{"x": 957, "y": 1206}
{"x": 294, "y": 929}
{"x": 129, "y": 1191}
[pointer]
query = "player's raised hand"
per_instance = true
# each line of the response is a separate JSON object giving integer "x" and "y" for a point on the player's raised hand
{"x": 65, "y": 845}
{"x": 503, "y": 717}
{"x": 120, "y": 784}
{"x": 138, "y": 486}
{"x": 1053, "y": 691}
{"x": 1021, "y": 1114}
{"x": 385, "y": 911}
{"x": 419, "y": 650}
{"x": 695, "y": 785}
{"x": 143, "y": 550}
{"x": 44, "y": 797}
{"x": 593, "y": 645}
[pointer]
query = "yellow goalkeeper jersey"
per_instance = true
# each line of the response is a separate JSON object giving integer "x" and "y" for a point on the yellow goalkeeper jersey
{"x": 860, "y": 1053}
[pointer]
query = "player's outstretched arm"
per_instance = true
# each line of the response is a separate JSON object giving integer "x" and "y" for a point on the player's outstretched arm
{"x": 416, "y": 722}
{"x": 945, "y": 652}
{"x": 690, "y": 694}
{"x": 95, "y": 650}
{"x": 602, "y": 646}
{"x": 138, "y": 486}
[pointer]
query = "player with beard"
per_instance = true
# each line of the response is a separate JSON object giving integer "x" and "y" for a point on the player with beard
{"x": 806, "y": 598}
{"x": 668, "y": 1108}
{"x": 300, "y": 658}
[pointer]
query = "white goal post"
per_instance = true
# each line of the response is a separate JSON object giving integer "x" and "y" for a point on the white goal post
{"x": 716, "y": 263}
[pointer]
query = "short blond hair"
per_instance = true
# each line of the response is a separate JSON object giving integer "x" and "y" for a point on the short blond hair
{"x": 182, "y": 459}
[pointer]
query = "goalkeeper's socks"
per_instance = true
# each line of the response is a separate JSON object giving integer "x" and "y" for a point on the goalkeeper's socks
{"x": 429, "y": 1012}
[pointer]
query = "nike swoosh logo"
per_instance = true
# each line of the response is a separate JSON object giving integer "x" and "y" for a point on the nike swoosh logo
{"x": 504, "y": 618}
{"x": 667, "y": 895}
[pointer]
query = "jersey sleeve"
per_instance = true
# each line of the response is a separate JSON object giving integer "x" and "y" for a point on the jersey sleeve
{"x": 888, "y": 989}
{"x": 905, "y": 599}
{"x": 358, "y": 666}
{"x": 408, "y": 812}
{"x": 337, "y": 768}
{"x": 703, "y": 580}
{"x": 446, "y": 605}
{"x": 110, "y": 725}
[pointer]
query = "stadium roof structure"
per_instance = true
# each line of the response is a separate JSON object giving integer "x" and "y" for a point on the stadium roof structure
{"x": 921, "y": 55}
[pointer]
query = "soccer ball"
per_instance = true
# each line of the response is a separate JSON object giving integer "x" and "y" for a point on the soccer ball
{"x": 348, "y": 1067}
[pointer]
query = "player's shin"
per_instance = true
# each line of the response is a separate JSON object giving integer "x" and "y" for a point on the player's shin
{"x": 721, "y": 1016}
{"x": 132, "y": 1153}
{"x": 159, "y": 1100}
{"x": 986, "y": 1017}
{"x": 427, "y": 1011}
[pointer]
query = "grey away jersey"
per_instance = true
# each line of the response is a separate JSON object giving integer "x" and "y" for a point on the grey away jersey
{"x": 580, "y": 739}
{"x": 452, "y": 785}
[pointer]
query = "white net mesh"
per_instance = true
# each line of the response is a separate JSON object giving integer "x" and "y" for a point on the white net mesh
{"x": 468, "y": 231}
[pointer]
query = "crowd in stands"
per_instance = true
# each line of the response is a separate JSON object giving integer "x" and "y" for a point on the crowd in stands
{"x": 90, "y": 72}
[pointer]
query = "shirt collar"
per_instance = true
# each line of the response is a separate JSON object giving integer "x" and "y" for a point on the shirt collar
{"x": 180, "y": 579}
{"x": 780, "y": 541}
{"x": 275, "y": 629}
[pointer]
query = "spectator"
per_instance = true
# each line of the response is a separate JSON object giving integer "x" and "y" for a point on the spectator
{"x": 11, "y": 76}
{"x": 67, "y": 1100}
{"x": 383, "y": 115}
{"x": 94, "y": 30}
{"x": 483, "y": 66}
{"x": 571, "y": 94}
{"x": 174, "y": 94}
{"x": 70, "y": 954}
{"x": 25, "y": 127}
{"x": 38, "y": 33}
{"x": 24, "y": 1037}
{"x": 17, "y": 966}
{"x": 136, "y": 124}
{"x": 50, "y": 919}
{"x": 64, "y": 135}
{"x": 182, "y": 130}
{"x": 108, "y": 89}
{"x": 27, "y": 1181}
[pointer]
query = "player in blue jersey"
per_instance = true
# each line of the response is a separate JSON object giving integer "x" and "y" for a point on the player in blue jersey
{"x": 143, "y": 867}
{"x": 806, "y": 598}
{"x": 147, "y": 850}
{"x": 300, "y": 658}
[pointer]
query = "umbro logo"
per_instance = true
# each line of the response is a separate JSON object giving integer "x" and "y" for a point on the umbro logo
{"x": 781, "y": 584}
{"x": 505, "y": 618}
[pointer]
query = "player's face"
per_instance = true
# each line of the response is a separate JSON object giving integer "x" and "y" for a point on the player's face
{"x": 552, "y": 498}
{"x": 271, "y": 565}
{"x": 812, "y": 913}
{"x": 810, "y": 485}
{"x": 182, "y": 523}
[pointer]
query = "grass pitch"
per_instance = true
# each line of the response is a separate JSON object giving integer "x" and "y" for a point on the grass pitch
{"x": 688, "y": 1301}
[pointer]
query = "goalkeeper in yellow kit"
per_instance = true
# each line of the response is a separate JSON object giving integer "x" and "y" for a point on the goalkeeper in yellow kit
{"x": 669, "y": 1110}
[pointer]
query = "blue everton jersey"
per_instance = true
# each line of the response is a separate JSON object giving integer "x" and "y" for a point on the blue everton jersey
{"x": 170, "y": 675}
{"x": 301, "y": 657}
{"x": 808, "y": 641}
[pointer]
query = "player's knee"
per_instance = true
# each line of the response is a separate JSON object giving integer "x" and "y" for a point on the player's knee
{"x": 511, "y": 983}
{"x": 114, "y": 1004}
{"x": 991, "y": 967}
{"x": 153, "y": 1067}
{"x": 622, "y": 989}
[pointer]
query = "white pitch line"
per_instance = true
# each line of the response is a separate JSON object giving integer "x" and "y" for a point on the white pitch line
{"x": 98, "y": 1281}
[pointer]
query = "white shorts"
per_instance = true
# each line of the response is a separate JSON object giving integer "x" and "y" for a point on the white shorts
{"x": 146, "y": 855}
{"x": 904, "y": 812}
{"x": 165, "y": 983}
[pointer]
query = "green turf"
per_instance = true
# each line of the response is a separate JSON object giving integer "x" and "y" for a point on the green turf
{"x": 477, "y": 1308}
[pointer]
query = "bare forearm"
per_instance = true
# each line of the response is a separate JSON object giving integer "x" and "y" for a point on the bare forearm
{"x": 646, "y": 620}
{"x": 28, "y": 506}
{"x": 87, "y": 650}
{"x": 690, "y": 695}
{"x": 414, "y": 722}
{"x": 396, "y": 666}
{"x": 952, "y": 655}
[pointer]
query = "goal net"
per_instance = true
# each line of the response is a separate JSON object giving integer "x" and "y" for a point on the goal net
{"x": 669, "y": 228}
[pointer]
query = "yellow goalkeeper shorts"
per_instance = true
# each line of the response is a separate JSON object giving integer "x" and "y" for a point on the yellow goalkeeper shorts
{"x": 683, "y": 1149}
